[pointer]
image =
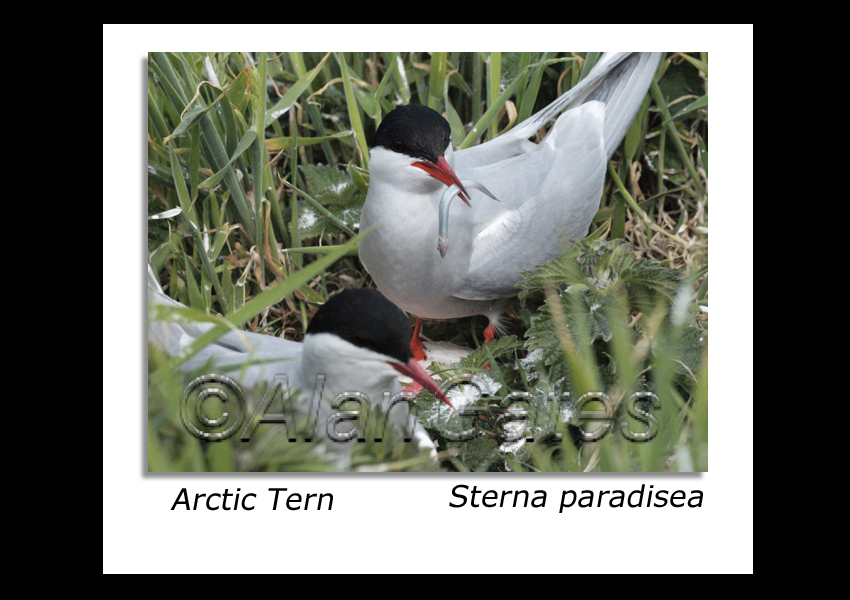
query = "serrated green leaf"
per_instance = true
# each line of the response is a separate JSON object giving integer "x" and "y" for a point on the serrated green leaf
{"x": 592, "y": 280}
{"x": 482, "y": 356}
{"x": 334, "y": 203}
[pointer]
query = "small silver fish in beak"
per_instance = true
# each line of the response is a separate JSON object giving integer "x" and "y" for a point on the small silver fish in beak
{"x": 445, "y": 204}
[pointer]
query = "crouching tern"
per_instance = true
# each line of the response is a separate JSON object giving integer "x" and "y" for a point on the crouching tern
{"x": 547, "y": 196}
{"x": 355, "y": 346}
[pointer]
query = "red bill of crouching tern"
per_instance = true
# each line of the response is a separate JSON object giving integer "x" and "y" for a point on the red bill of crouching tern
{"x": 358, "y": 342}
{"x": 547, "y": 195}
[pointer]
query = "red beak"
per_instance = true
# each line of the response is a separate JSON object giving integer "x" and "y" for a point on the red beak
{"x": 413, "y": 370}
{"x": 441, "y": 171}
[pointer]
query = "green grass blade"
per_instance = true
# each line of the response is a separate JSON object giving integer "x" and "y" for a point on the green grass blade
{"x": 243, "y": 146}
{"x": 494, "y": 81}
{"x": 354, "y": 112}
{"x": 674, "y": 135}
{"x": 437, "y": 80}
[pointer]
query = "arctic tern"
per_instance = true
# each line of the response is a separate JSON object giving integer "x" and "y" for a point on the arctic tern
{"x": 357, "y": 342}
{"x": 547, "y": 196}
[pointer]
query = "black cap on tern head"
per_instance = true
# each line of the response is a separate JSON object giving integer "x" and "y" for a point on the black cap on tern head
{"x": 414, "y": 130}
{"x": 366, "y": 319}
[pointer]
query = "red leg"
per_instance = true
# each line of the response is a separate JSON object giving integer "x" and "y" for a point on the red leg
{"x": 416, "y": 345}
{"x": 489, "y": 333}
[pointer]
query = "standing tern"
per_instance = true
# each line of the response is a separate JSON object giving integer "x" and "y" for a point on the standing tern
{"x": 547, "y": 196}
{"x": 358, "y": 341}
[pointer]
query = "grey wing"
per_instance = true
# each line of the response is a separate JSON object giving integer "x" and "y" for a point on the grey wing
{"x": 619, "y": 80}
{"x": 248, "y": 357}
{"x": 543, "y": 208}
{"x": 562, "y": 177}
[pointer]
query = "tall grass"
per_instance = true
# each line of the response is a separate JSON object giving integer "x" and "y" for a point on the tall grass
{"x": 257, "y": 170}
